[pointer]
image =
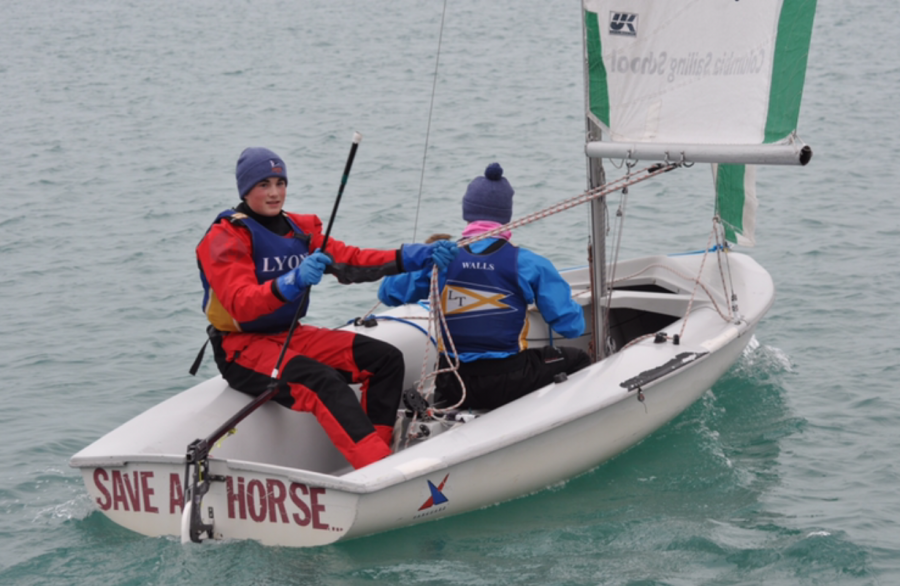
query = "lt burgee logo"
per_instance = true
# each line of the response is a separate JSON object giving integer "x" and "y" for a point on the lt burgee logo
{"x": 463, "y": 300}
{"x": 623, "y": 23}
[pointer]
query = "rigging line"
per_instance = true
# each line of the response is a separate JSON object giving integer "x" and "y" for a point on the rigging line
{"x": 717, "y": 221}
{"x": 722, "y": 250}
{"x": 437, "y": 61}
{"x": 620, "y": 228}
{"x": 709, "y": 294}
{"x": 591, "y": 194}
{"x": 374, "y": 307}
{"x": 720, "y": 253}
{"x": 714, "y": 233}
{"x": 614, "y": 260}
{"x": 697, "y": 283}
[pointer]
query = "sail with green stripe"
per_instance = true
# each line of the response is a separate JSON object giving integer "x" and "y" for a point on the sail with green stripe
{"x": 701, "y": 81}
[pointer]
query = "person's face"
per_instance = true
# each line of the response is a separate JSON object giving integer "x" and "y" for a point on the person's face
{"x": 267, "y": 197}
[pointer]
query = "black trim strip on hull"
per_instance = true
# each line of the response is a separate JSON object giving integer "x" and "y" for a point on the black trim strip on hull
{"x": 648, "y": 376}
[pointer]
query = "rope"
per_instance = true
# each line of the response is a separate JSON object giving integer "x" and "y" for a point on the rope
{"x": 572, "y": 202}
{"x": 437, "y": 61}
{"x": 679, "y": 274}
{"x": 620, "y": 228}
{"x": 687, "y": 313}
{"x": 442, "y": 334}
{"x": 697, "y": 282}
{"x": 722, "y": 249}
{"x": 404, "y": 320}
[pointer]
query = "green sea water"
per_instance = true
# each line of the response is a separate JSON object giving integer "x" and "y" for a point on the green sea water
{"x": 121, "y": 124}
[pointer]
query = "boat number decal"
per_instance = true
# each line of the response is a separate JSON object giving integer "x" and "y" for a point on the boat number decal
{"x": 267, "y": 500}
{"x": 437, "y": 498}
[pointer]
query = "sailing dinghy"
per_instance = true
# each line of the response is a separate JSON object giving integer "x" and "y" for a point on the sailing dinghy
{"x": 712, "y": 82}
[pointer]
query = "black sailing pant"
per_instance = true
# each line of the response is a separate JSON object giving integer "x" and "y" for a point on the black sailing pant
{"x": 492, "y": 383}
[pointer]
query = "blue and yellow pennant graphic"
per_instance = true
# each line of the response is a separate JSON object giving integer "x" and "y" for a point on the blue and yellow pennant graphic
{"x": 464, "y": 300}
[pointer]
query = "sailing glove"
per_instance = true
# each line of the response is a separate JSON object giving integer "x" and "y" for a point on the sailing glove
{"x": 421, "y": 256}
{"x": 308, "y": 273}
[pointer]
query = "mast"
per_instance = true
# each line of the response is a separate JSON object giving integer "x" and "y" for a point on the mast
{"x": 595, "y": 178}
{"x": 597, "y": 241}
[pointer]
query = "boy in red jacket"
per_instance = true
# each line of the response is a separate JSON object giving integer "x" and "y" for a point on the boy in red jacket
{"x": 256, "y": 261}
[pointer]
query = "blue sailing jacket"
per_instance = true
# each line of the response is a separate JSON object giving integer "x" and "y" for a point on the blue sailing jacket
{"x": 273, "y": 256}
{"x": 538, "y": 282}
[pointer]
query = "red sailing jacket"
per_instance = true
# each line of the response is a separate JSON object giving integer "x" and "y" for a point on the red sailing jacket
{"x": 226, "y": 259}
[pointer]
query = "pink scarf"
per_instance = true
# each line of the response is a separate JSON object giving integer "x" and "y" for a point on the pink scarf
{"x": 481, "y": 226}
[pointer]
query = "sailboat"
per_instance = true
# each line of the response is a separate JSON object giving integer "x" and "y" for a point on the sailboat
{"x": 667, "y": 85}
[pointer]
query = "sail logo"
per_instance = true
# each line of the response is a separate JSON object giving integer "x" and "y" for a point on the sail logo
{"x": 437, "y": 497}
{"x": 623, "y": 23}
{"x": 459, "y": 299}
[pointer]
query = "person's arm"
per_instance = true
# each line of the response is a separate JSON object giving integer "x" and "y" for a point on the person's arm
{"x": 405, "y": 288}
{"x": 226, "y": 255}
{"x": 351, "y": 264}
{"x": 552, "y": 294}
{"x": 362, "y": 265}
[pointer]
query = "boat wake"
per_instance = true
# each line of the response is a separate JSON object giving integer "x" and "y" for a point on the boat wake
{"x": 760, "y": 360}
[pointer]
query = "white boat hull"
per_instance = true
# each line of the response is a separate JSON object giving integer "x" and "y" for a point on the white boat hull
{"x": 282, "y": 483}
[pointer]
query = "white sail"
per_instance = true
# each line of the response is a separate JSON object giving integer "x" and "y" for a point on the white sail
{"x": 704, "y": 72}
{"x": 700, "y": 81}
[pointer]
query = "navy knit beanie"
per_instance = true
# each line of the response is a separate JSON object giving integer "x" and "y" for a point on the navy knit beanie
{"x": 489, "y": 197}
{"x": 256, "y": 164}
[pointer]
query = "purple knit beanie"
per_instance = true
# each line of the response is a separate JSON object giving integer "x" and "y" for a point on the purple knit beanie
{"x": 256, "y": 164}
{"x": 489, "y": 197}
